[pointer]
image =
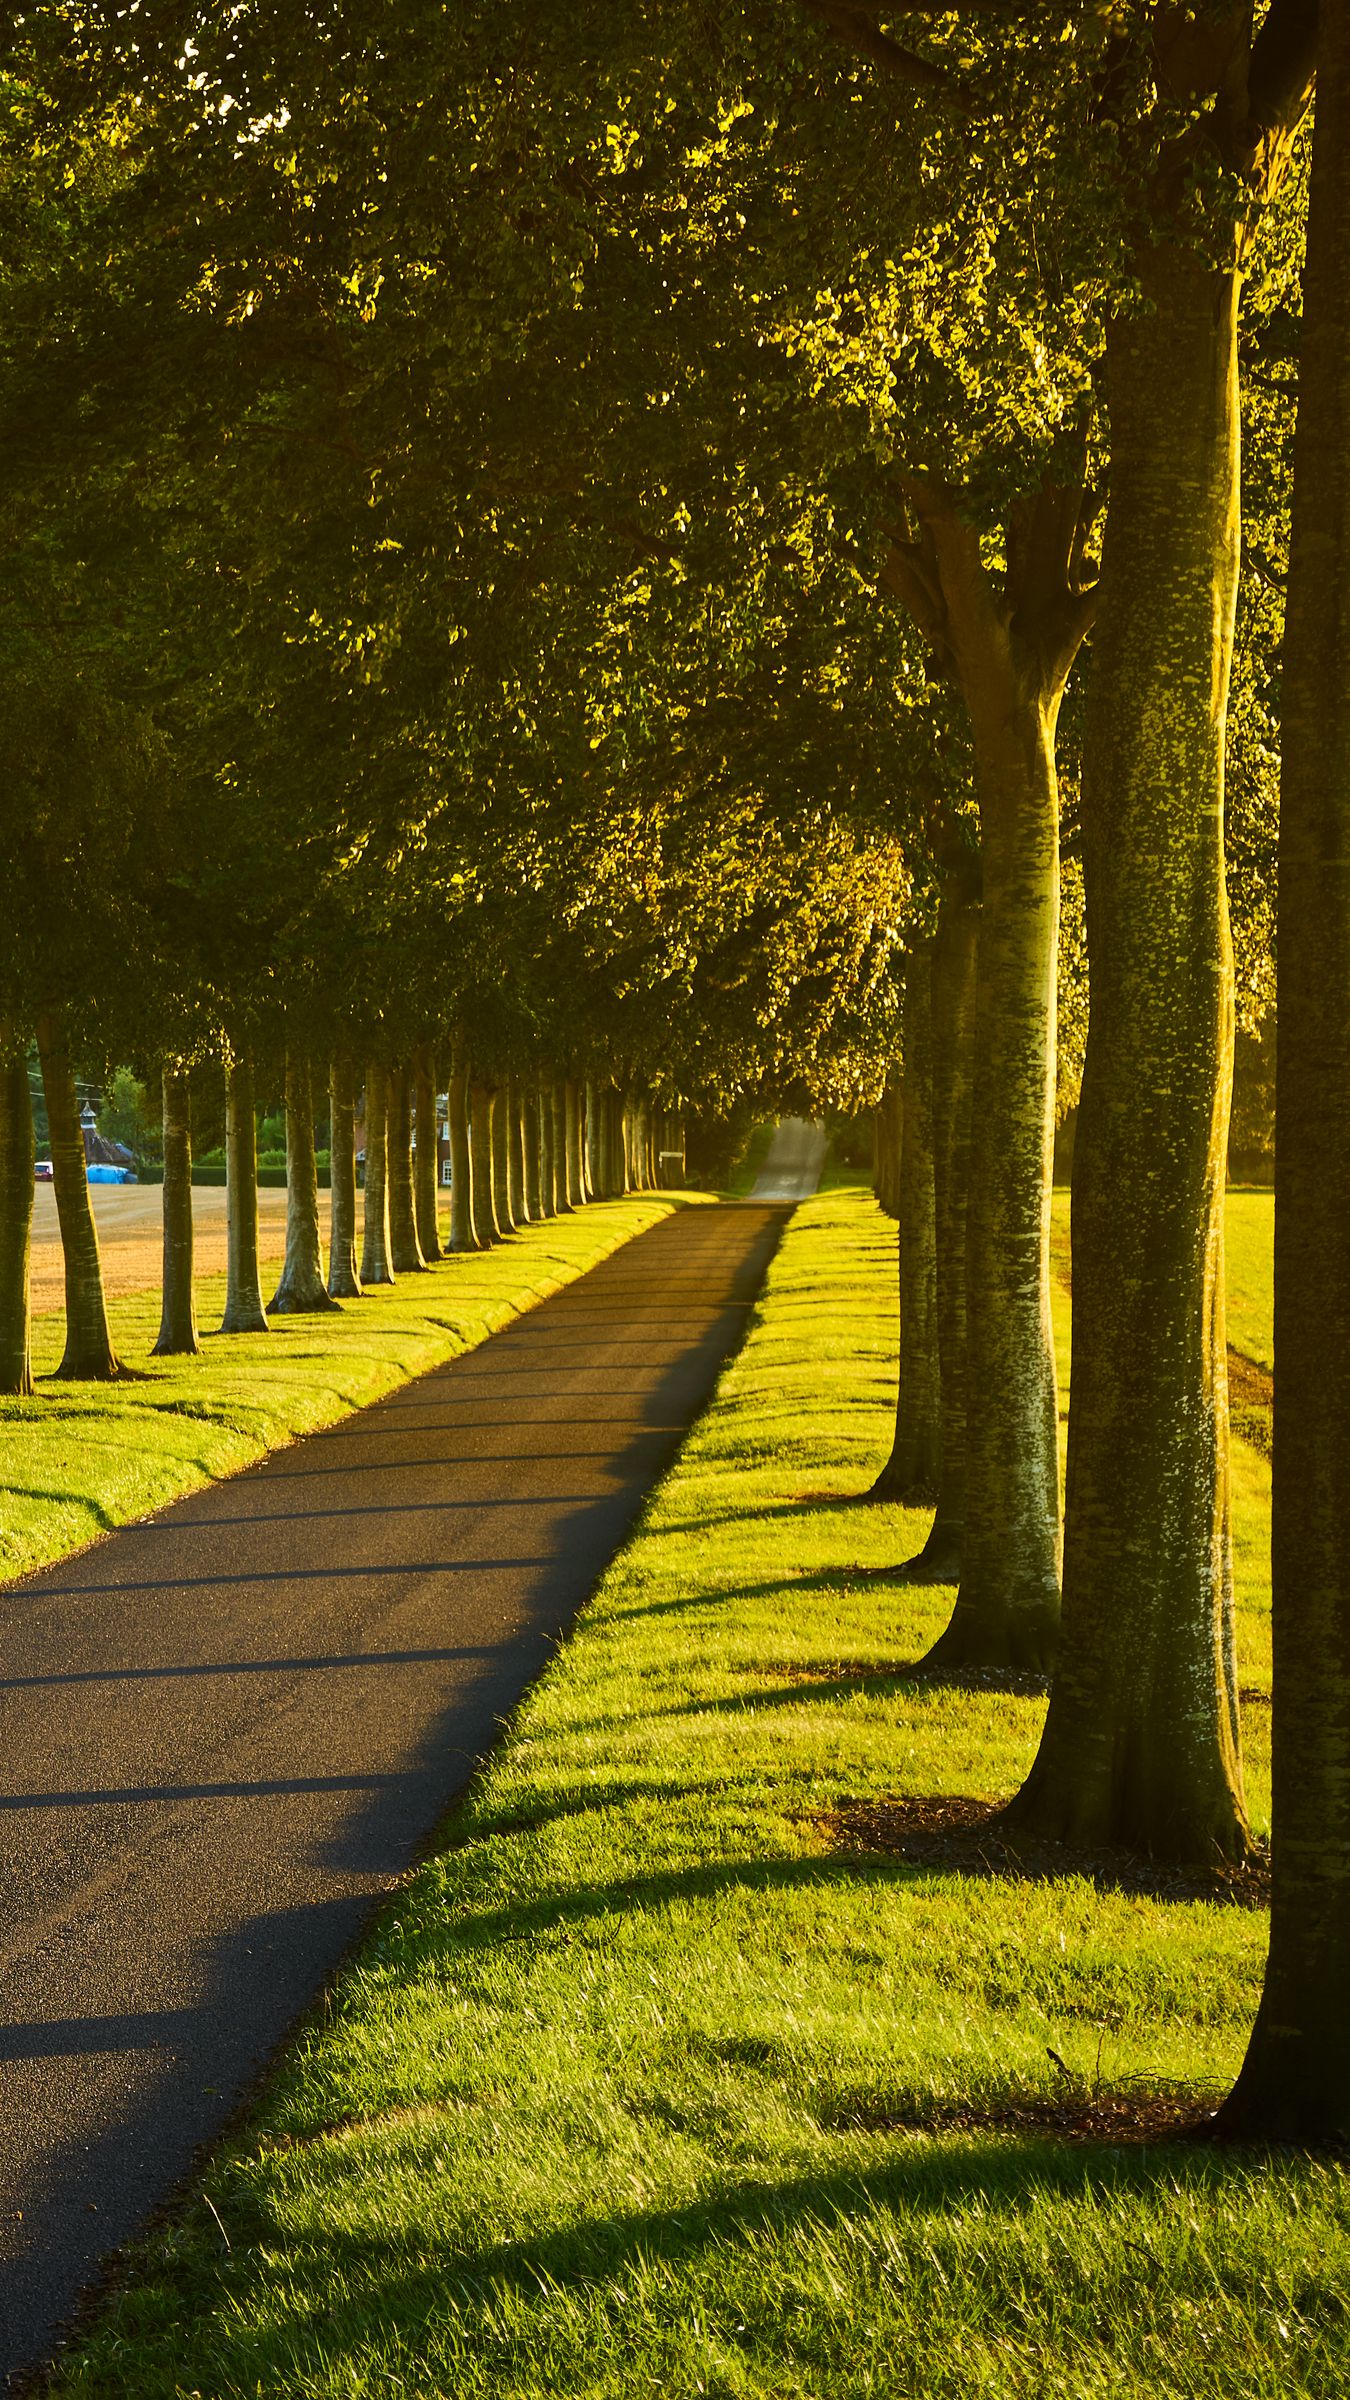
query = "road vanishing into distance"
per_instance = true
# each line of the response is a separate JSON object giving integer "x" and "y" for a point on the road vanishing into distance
{"x": 226, "y": 1731}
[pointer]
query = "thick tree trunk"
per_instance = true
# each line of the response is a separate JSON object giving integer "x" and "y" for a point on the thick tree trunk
{"x": 344, "y": 1281}
{"x": 516, "y": 1192}
{"x": 913, "y": 1470}
{"x": 529, "y": 1112}
{"x": 597, "y": 1185}
{"x": 1007, "y": 1608}
{"x": 562, "y": 1196}
{"x": 89, "y": 1354}
{"x": 244, "y": 1312}
{"x": 17, "y": 1152}
{"x": 405, "y": 1251}
{"x": 576, "y": 1182}
{"x": 1141, "y": 1740}
{"x": 1295, "y": 2083}
{"x": 955, "y": 974}
{"x": 463, "y": 1235}
{"x": 487, "y": 1226}
{"x": 301, "y": 1291}
{"x": 427, "y": 1156}
{"x": 377, "y": 1266}
{"x": 178, "y": 1313}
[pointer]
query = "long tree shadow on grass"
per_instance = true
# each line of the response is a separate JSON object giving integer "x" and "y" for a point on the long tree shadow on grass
{"x": 924, "y": 2185}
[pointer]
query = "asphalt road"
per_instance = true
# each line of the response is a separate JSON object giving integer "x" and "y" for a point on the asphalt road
{"x": 226, "y": 1731}
{"x": 792, "y": 1165}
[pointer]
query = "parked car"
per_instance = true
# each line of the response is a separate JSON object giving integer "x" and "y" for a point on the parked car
{"x": 101, "y": 1174}
{"x": 42, "y": 1172}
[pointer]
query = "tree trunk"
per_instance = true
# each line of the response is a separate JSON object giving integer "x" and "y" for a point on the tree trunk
{"x": 463, "y": 1234}
{"x": 376, "y": 1264}
{"x": 562, "y": 1195}
{"x": 482, "y": 1128}
{"x": 501, "y": 1158}
{"x": 178, "y": 1314}
{"x": 301, "y": 1291}
{"x": 427, "y": 1156}
{"x": 244, "y": 1312}
{"x": 17, "y": 1152}
{"x": 548, "y": 1157}
{"x": 344, "y": 1282}
{"x": 912, "y": 1473}
{"x": 1007, "y": 1607}
{"x": 529, "y": 1111}
{"x": 405, "y": 1251}
{"x": 1295, "y": 2082}
{"x": 889, "y": 1133}
{"x": 597, "y": 1184}
{"x": 89, "y": 1354}
{"x": 576, "y": 1184}
{"x": 955, "y": 974}
{"x": 516, "y": 1193}
{"x": 1141, "y": 1740}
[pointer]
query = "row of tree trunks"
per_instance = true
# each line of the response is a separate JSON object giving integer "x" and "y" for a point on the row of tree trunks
{"x": 244, "y": 1312}
{"x": 302, "y": 1289}
{"x": 88, "y": 1354}
{"x": 344, "y": 1279}
{"x": 905, "y": 1122}
{"x": 178, "y": 1309}
{"x": 888, "y": 1133}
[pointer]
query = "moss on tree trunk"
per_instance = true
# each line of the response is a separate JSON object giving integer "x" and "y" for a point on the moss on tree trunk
{"x": 1141, "y": 1740}
{"x": 344, "y": 1281}
{"x": 244, "y": 1312}
{"x": 178, "y": 1314}
{"x": 17, "y": 1153}
{"x": 89, "y": 1354}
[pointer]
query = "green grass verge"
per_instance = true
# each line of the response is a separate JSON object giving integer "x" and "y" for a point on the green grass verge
{"x": 613, "y": 2102}
{"x": 747, "y": 1172}
{"x": 81, "y": 1458}
{"x": 1249, "y": 1242}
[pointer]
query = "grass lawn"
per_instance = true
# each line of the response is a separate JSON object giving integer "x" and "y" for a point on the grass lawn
{"x": 83, "y": 1457}
{"x": 1250, "y": 1240}
{"x": 648, "y": 2082}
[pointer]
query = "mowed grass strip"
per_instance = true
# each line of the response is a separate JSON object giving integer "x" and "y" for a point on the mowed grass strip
{"x": 80, "y": 1458}
{"x": 628, "y": 2092}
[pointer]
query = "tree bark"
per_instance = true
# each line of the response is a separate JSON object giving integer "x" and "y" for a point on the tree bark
{"x": 912, "y": 1473}
{"x": 17, "y": 1152}
{"x": 89, "y": 1355}
{"x": 427, "y": 1156}
{"x": 576, "y": 1180}
{"x": 889, "y": 1134}
{"x": 301, "y": 1290}
{"x": 1295, "y": 2081}
{"x": 516, "y": 1194}
{"x": 244, "y": 1312}
{"x": 955, "y": 974}
{"x": 562, "y": 1192}
{"x": 501, "y": 1158}
{"x": 1141, "y": 1740}
{"x": 344, "y": 1281}
{"x": 487, "y": 1225}
{"x": 548, "y": 1157}
{"x": 529, "y": 1110}
{"x": 377, "y": 1266}
{"x": 597, "y": 1185}
{"x": 178, "y": 1314}
{"x": 463, "y": 1234}
{"x": 405, "y": 1251}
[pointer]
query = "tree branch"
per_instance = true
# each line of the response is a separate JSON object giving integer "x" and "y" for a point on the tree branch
{"x": 856, "y": 29}
{"x": 1283, "y": 67}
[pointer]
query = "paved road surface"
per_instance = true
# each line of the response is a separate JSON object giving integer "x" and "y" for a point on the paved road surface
{"x": 130, "y": 1234}
{"x": 791, "y": 1170}
{"x": 225, "y": 1732}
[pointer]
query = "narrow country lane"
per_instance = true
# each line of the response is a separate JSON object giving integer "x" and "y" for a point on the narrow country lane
{"x": 792, "y": 1168}
{"x": 225, "y": 1732}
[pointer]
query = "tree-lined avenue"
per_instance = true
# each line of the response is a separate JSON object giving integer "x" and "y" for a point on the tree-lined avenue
{"x": 231, "y": 1727}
